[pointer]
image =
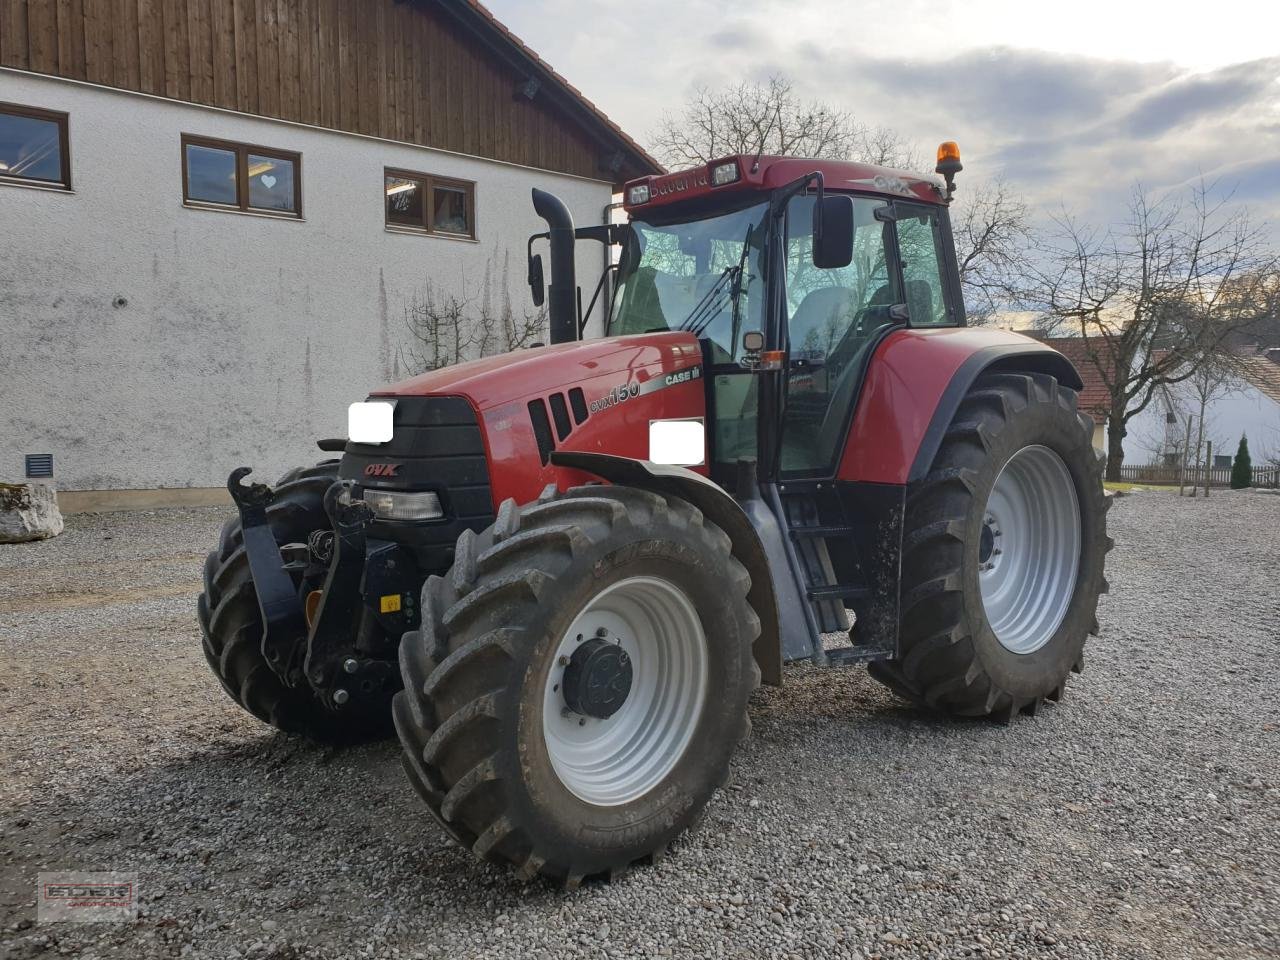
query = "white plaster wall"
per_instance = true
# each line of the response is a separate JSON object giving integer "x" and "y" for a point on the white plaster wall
{"x": 244, "y": 337}
{"x": 1241, "y": 409}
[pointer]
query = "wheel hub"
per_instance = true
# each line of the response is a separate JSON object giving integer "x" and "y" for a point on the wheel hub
{"x": 625, "y": 690}
{"x": 597, "y": 679}
{"x": 989, "y": 549}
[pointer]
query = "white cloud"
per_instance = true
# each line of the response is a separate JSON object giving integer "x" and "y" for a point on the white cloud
{"x": 1072, "y": 103}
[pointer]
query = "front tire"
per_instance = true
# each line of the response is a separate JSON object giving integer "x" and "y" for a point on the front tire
{"x": 520, "y": 768}
{"x": 1004, "y": 543}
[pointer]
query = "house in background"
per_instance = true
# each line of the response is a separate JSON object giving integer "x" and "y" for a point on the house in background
{"x": 1246, "y": 402}
{"x": 216, "y": 213}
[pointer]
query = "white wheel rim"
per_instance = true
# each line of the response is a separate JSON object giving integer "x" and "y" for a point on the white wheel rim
{"x": 612, "y": 761}
{"x": 1029, "y": 554}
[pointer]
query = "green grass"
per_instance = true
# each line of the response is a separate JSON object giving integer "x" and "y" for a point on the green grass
{"x": 1131, "y": 487}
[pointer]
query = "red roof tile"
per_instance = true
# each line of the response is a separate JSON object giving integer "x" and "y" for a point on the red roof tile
{"x": 1095, "y": 399}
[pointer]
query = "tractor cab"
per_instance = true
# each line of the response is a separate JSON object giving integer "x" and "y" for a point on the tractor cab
{"x": 777, "y": 265}
{"x": 773, "y": 269}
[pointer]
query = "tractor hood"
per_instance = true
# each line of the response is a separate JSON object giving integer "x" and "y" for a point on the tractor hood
{"x": 509, "y": 377}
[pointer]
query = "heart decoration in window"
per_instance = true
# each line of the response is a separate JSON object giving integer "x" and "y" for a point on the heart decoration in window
{"x": 267, "y": 180}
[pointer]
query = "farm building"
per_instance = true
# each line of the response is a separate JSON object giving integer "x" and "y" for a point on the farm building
{"x": 1245, "y": 400}
{"x": 220, "y": 214}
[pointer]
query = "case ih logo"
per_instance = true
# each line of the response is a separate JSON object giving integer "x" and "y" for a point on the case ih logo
{"x": 381, "y": 469}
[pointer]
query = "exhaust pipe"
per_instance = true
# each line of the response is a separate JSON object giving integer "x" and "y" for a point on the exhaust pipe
{"x": 562, "y": 295}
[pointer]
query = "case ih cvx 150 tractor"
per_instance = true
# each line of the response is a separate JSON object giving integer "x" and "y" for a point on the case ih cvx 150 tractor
{"x": 562, "y": 571}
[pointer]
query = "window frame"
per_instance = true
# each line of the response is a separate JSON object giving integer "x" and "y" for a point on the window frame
{"x": 429, "y": 183}
{"x": 943, "y": 253}
{"x": 241, "y": 151}
{"x": 62, "y": 119}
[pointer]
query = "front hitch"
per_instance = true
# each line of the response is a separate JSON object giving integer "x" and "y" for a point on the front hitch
{"x": 284, "y": 621}
{"x": 335, "y": 665}
{"x": 342, "y": 643}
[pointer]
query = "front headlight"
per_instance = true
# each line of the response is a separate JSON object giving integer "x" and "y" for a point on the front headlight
{"x": 370, "y": 421}
{"x": 402, "y": 505}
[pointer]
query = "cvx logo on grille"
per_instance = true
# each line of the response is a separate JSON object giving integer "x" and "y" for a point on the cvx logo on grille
{"x": 381, "y": 470}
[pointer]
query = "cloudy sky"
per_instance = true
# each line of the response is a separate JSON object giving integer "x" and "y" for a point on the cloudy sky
{"x": 1070, "y": 102}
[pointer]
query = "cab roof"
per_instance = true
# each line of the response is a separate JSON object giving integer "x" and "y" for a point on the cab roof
{"x": 769, "y": 172}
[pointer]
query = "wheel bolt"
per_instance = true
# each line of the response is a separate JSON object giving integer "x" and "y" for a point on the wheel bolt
{"x": 602, "y": 633}
{"x": 582, "y": 722}
{"x": 563, "y": 661}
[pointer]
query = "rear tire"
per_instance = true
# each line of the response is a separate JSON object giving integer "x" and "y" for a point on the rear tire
{"x": 481, "y": 677}
{"x": 231, "y": 623}
{"x": 1018, "y": 446}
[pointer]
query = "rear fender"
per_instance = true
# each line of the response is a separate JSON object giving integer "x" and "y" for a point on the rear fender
{"x": 914, "y": 385}
{"x": 722, "y": 510}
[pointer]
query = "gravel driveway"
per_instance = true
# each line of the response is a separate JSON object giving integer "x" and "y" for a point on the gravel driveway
{"x": 1139, "y": 818}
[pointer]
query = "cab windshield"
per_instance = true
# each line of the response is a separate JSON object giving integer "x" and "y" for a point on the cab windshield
{"x": 703, "y": 276}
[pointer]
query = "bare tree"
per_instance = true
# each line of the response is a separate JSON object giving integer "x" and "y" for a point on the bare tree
{"x": 1216, "y": 375}
{"x": 449, "y": 326}
{"x": 1153, "y": 298}
{"x": 990, "y": 220}
{"x": 992, "y": 239}
{"x": 769, "y": 117}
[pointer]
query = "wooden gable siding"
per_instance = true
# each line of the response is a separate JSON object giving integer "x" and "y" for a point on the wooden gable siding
{"x": 379, "y": 67}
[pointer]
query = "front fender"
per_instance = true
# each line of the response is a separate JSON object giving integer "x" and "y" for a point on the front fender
{"x": 722, "y": 510}
{"x": 914, "y": 385}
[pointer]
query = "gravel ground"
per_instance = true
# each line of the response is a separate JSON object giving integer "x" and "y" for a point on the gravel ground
{"x": 1139, "y": 818}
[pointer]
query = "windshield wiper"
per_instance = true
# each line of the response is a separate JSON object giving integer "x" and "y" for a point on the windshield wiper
{"x": 736, "y": 317}
{"x": 709, "y": 307}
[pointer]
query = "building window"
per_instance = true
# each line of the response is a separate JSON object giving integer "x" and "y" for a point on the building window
{"x": 236, "y": 176}
{"x": 33, "y": 147}
{"x": 436, "y": 205}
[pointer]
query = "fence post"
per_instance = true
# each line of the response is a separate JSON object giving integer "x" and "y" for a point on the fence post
{"x": 1186, "y": 445}
{"x": 1208, "y": 466}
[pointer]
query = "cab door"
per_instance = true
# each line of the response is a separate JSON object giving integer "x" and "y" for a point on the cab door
{"x": 833, "y": 319}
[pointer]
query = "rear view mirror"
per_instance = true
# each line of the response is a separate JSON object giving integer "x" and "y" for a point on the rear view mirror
{"x": 832, "y": 231}
{"x": 536, "y": 284}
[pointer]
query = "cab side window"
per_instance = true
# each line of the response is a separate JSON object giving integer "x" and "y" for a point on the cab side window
{"x": 920, "y": 249}
{"x": 833, "y": 317}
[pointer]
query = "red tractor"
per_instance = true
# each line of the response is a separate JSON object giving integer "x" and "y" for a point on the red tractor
{"x": 562, "y": 571}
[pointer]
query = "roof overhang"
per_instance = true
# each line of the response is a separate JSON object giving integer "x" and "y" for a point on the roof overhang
{"x": 621, "y": 158}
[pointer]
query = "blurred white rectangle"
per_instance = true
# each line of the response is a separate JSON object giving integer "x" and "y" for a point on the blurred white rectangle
{"x": 370, "y": 421}
{"x": 679, "y": 442}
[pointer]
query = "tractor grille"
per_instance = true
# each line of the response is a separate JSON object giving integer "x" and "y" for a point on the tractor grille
{"x": 437, "y": 446}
